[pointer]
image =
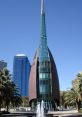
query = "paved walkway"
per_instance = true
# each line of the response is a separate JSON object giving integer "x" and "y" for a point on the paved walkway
{"x": 71, "y": 113}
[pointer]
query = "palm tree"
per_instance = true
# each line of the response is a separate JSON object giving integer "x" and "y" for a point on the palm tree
{"x": 25, "y": 101}
{"x": 16, "y": 98}
{"x": 62, "y": 99}
{"x": 74, "y": 95}
{"x": 71, "y": 97}
{"x": 2, "y": 88}
{"x": 77, "y": 86}
{"x": 11, "y": 93}
{"x": 8, "y": 90}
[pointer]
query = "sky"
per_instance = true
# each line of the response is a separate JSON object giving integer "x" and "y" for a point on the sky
{"x": 20, "y": 33}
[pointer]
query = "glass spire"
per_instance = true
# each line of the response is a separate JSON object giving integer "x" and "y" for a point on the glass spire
{"x": 44, "y": 76}
{"x": 43, "y": 48}
{"x": 42, "y": 6}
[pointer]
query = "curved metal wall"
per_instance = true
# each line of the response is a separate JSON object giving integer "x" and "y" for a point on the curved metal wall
{"x": 55, "y": 80}
{"x": 33, "y": 80}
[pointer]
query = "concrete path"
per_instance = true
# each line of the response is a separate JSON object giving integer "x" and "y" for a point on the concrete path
{"x": 71, "y": 113}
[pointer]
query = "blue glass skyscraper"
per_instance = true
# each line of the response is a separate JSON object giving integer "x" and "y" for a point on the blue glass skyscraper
{"x": 21, "y": 71}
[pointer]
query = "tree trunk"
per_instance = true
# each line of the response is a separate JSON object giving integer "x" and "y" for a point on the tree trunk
{"x": 7, "y": 108}
{"x": 0, "y": 107}
{"x": 78, "y": 106}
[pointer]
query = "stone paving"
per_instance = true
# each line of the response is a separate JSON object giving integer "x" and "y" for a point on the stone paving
{"x": 71, "y": 113}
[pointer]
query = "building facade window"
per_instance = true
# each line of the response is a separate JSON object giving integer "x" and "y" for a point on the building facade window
{"x": 21, "y": 71}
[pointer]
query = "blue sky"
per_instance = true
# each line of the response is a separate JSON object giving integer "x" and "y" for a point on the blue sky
{"x": 20, "y": 33}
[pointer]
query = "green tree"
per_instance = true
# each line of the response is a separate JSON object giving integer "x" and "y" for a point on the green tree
{"x": 62, "y": 98}
{"x": 2, "y": 88}
{"x": 77, "y": 86}
{"x": 71, "y": 97}
{"x": 25, "y": 101}
{"x": 74, "y": 95}
{"x": 8, "y": 90}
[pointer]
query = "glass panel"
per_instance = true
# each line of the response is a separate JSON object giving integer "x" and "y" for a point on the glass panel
{"x": 41, "y": 89}
{"x": 47, "y": 76}
{"x": 43, "y": 75}
{"x": 40, "y": 75}
{"x": 45, "y": 89}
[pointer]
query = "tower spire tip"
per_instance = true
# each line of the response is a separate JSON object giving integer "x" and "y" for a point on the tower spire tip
{"x": 42, "y": 6}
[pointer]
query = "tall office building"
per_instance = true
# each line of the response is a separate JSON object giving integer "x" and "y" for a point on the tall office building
{"x": 44, "y": 83}
{"x": 21, "y": 71}
{"x": 3, "y": 64}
